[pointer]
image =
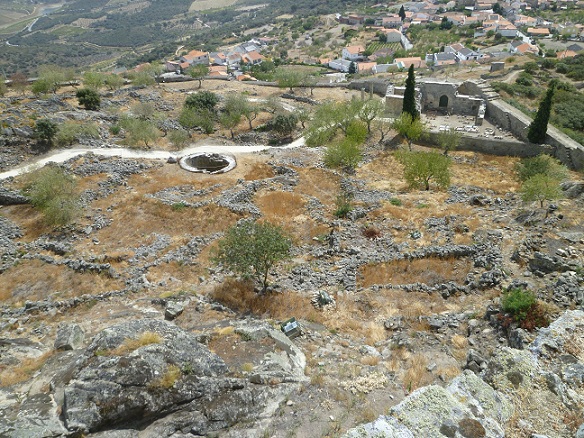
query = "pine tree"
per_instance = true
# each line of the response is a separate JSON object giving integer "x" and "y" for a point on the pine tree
{"x": 538, "y": 128}
{"x": 402, "y": 13}
{"x": 410, "y": 95}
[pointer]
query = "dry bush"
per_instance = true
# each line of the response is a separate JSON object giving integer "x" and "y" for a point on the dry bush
{"x": 317, "y": 379}
{"x": 371, "y": 232}
{"x": 416, "y": 374}
{"x": 240, "y": 296}
{"x": 226, "y": 331}
{"x": 448, "y": 372}
{"x": 368, "y": 413}
{"x": 23, "y": 371}
{"x": 35, "y": 280}
{"x": 370, "y": 360}
{"x": 131, "y": 344}
{"x": 374, "y": 332}
{"x": 259, "y": 171}
{"x": 459, "y": 341}
{"x": 247, "y": 367}
{"x": 431, "y": 271}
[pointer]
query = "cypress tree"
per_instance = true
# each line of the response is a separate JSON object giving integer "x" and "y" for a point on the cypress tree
{"x": 402, "y": 13}
{"x": 410, "y": 95}
{"x": 352, "y": 68}
{"x": 538, "y": 128}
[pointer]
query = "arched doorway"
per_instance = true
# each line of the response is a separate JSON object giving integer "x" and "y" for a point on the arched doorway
{"x": 443, "y": 101}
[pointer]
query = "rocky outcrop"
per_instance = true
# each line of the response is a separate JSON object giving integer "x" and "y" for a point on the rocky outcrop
{"x": 549, "y": 372}
{"x": 468, "y": 407}
{"x": 152, "y": 376}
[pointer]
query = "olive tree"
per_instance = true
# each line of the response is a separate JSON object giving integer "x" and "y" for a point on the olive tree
{"x": 412, "y": 129}
{"x": 540, "y": 178}
{"x": 448, "y": 140}
{"x": 45, "y": 131}
{"x": 89, "y": 98}
{"x": 54, "y": 193}
{"x": 422, "y": 167}
{"x": 251, "y": 249}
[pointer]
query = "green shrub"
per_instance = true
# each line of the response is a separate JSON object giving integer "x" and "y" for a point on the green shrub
{"x": 53, "y": 192}
{"x": 347, "y": 154}
{"x": 344, "y": 205}
{"x": 517, "y": 302}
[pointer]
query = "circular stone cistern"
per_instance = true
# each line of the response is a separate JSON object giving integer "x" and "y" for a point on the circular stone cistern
{"x": 208, "y": 162}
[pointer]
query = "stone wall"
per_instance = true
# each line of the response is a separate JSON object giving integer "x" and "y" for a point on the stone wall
{"x": 494, "y": 146}
{"x": 378, "y": 86}
{"x": 568, "y": 151}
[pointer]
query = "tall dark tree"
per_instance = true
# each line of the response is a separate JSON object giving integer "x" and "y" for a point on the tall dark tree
{"x": 402, "y": 13}
{"x": 352, "y": 68}
{"x": 410, "y": 95}
{"x": 538, "y": 128}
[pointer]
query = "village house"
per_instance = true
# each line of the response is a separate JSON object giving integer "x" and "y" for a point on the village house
{"x": 404, "y": 63}
{"x": 538, "y": 31}
{"x": 393, "y": 36}
{"x": 521, "y": 48}
{"x": 392, "y": 22}
{"x": 252, "y": 58}
{"x": 342, "y": 65}
{"x": 195, "y": 57}
{"x": 353, "y": 53}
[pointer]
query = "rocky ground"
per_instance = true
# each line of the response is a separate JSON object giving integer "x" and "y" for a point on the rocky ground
{"x": 121, "y": 321}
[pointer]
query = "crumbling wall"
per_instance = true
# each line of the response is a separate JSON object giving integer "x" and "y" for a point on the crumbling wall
{"x": 568, "y": 151}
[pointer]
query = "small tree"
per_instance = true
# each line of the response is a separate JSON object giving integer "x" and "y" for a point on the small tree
{"x": 45, "y": 131}
{"x": 541, "y": 165}
{"x": 144, "y": 110}
{"x": 410, "y": 129}
{"x": 93, "y": 80}
{"x": 288, "y": 78}
{"x": 19, "y": 82}
{"x": 538, "y": 128}
{"x": 371, "y": 109}
{"x": 198, "y": 72}
{"x": 540, "y": 188}
{"x": 139, "y": 131}
{"x": 113, "y": 81}
{"x": 89, "y": 98}
{"x": 409, "y": 105}
{"x": 191, "y": 119}
{"x": 449, "y": 140}
{"x": 230, "y": 121}
{"x": 402, "y": 13}
{"x": 422, "y": 167}
{"x": 179, "y": 138}
{"x": 203, "y": 100}
{"x": 70, "y": 132}
{"x": 284, "y": 124}
{"x": 251, "y": 249}
{"x": 53, "y": 192}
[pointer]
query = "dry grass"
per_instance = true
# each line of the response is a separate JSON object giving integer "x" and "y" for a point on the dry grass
{"x": 459, "y": 341}
{"x": 240, "y": 296}
{"x": 129, "y": 345}
{"x": 319, "y": 183}
{"x": 29, "y": 219}
{"x": 247, "y": 367}
{"x": 35, "y": 280}
{"x": 138, "y": 217}
{"x": 259, "y": 171}
{"x": 416, "y": 374}
{"x": 430, "y": 271}
{"x": 23, "y": 371}
{"x": 448, "y": 372}
{"x": 370, "y": 360}
{"x": 280, "y": 207}
{"x": 488, "y": 172}
{"x": 168, "y": 379}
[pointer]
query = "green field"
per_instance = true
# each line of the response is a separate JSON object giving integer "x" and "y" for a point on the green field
{"x": 375, "y": 46}
{"x": 67, "y": 31}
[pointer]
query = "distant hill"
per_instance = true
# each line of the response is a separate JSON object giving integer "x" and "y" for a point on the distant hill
{"x": 126, "y": 32}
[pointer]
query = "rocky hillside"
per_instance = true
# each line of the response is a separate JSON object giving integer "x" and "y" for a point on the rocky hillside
{"x": 120, "y": 325}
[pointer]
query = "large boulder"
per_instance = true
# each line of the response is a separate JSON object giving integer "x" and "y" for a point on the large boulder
{"x": 151, "y": 375}
{"x": 468, "y": 407}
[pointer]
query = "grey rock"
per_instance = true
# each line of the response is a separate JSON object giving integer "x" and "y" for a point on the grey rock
{"x": 580, "y": 432}
{"x": 69, "y": 337}
{"x": 573, "y": 189}
{"x": 10, "y": 197}
{"x": 173, "y": 309}
{"x": 36, "y": 416}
